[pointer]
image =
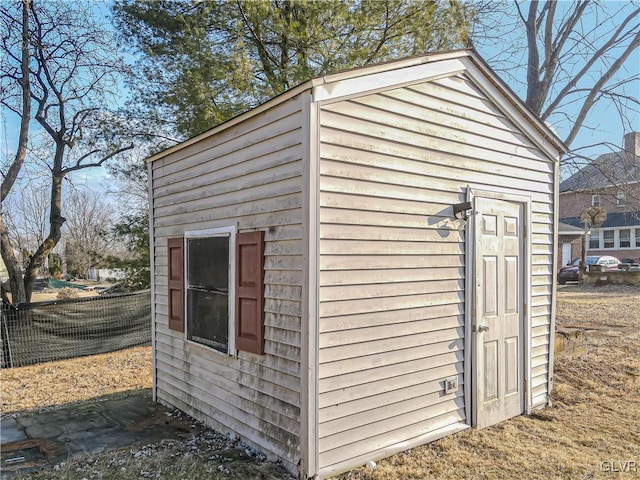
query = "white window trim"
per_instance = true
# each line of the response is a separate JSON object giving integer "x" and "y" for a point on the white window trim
{"x": 633, "y": 244}
{"x": 604, "y": 240}
{"x": 630, "y": 238}
{"x": 227, "y": 231}
{"x": 593, "y": 200}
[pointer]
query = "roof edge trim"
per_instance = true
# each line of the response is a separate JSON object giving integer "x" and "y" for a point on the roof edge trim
{"x": 544, "y": 133}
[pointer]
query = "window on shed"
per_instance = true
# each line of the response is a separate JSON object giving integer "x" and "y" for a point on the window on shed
{"x": 209, "y": 312}
{"x": 625, "y": 238}
{"x": 595, "y": 200}
{"x": 594, "y": 241}
{"x": 608, "y": 239}
{"x": 224, "y": 289}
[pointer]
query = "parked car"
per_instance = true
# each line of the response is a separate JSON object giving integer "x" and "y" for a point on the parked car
{"x": 629, "y": 265}
{"x": 569, "y": 273}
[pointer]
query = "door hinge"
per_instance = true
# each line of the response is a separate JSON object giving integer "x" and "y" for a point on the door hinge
{"x": 525, "y": 386}
{"x": 525, "y": 230}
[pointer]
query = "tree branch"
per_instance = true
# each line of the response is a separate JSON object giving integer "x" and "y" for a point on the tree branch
{"x": 21, "y": 152}
{"x": 265, "y": 57}
{"x": 598, "y": 86}
{"x": 79, "y": 166}
{"x": 587, "y": 67}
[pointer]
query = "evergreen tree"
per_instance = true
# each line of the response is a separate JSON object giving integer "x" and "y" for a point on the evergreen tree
{"x": 204, "y": 62}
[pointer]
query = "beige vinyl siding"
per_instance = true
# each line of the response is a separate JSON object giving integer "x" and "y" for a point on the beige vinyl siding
{"x": 250, "y": 176}
{"x": 392, "y": 260}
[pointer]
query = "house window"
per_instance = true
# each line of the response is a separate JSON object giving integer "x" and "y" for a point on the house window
{"x": 608, "y": 239}
{"x": 594, "y": 241}
{"x": 595, "y": 200}
{"x": 625, "y": 238}
{"x": 210, "y": 281}
{"x": 621, "y": 199}
{"x": 638, "y": 237}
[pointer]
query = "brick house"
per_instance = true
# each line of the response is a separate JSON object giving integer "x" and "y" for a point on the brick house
{"x": 612, "y": 181}
{"x": 569, "y": 243}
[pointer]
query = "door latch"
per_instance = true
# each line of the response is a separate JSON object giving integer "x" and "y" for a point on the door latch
{"x": 480, "y": 328}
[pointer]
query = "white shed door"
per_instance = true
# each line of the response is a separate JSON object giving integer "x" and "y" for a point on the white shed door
{"x": 498, "y": 322}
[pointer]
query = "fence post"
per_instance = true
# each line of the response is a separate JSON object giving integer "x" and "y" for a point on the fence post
{"x": 7, "y": 358}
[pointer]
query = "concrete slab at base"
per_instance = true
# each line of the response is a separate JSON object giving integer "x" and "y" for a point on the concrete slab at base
{"x": 11, "y": 431}
{"x": 34, "y": 440}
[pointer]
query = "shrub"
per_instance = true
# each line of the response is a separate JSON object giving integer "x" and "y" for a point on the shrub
{"x": 67, "y": 292}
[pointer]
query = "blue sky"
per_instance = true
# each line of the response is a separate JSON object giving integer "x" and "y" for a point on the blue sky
{"x": 602, "y": 124}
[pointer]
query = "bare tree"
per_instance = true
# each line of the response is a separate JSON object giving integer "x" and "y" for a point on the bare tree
{"x": 60, "y": 71}
{"x": 568, "y": 64}
{"x": 87, "y": 231}
{"x": 26, "y": 218}
{"x": 15, "y": 39}
{"x": 570, "y": 61}
{"x": 570, "y": 55}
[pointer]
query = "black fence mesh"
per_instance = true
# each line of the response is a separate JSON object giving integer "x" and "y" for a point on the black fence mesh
{"x": 46, "y": 331}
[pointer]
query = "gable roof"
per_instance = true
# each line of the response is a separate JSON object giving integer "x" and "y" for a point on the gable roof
{"x": 628, "y": 219}
{"x": 423, "y": 67}
{"x": 617, "y": 168}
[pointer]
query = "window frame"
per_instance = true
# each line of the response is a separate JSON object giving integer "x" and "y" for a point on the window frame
{"x": 628, "y": 230}
{"x": 595, "y": 200}
{"x": 621, "y": 199}
{"x": 604, "y": 239}
{"x": 226, "y": 231}
{"x": 594, "y": 237}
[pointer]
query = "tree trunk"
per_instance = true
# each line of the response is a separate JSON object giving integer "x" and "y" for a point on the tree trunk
{"x": 9, "y": 177}
{"x": 13, "y": 266}
{"x": 55, "y": 225}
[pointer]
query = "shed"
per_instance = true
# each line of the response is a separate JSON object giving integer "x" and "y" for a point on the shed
{"x": 362, "y": 264}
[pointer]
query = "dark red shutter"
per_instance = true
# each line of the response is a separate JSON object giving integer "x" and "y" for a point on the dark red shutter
{"x": 249, "y": 292}
{"x": 175, "y": 249}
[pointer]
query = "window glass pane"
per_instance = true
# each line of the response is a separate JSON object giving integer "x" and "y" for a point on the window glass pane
{"x": 638, "y": 237}
{"x": 625, "y": 238}
{"x": 594, "y": 240}
{"x": 208, "y": 291}
{"x": 208, "y": 318}
{"x": 608, "y": 239}
{"x": 209, "y": 263}
{"x": 595, "y": 200}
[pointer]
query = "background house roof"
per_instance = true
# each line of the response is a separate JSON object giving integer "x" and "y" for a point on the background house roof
{"x": 629, "y": 219}
{"x": 616, "y": 168}
{"x": 566, "y": 229}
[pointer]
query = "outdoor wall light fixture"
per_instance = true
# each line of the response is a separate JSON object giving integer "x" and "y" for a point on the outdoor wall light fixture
{"x": 462, "y": 211}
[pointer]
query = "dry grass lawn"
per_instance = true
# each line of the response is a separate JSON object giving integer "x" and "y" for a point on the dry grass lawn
{"x": 52, "y": 384}
{"x": 591, "y": 431}
{"x": 593, "y": 427}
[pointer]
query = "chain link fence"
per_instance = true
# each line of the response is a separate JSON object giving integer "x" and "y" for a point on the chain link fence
{"x": 46, "y": 331}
